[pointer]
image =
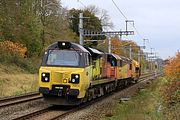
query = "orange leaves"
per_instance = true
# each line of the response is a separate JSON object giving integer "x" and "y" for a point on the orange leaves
{"x": 121, "y": 47}
{"x": 172, "y": 69}
{"x": 11, "y": 48}
{"x": 172, "y": 89}
{"x": 116, "y": 46}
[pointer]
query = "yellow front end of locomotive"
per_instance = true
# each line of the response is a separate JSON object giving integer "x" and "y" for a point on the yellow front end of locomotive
{"x": 64, "y": 81}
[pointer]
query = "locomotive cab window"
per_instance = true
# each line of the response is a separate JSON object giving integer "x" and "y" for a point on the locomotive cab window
{"x": 63, "y": 58}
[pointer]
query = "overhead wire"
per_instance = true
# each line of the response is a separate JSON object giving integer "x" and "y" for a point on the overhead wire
{"x": 127, "y": 19}
{"x": 119, "y": 10}
{"x": 81, "y": 3}
{"x": 121, "y": 14}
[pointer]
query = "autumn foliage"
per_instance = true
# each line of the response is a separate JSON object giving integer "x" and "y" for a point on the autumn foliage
{"x": 172, "y": 89}
{"x": 12, "y": 53}
{"x": 172, "y": 68}
{"x": 116, "y": 46}
{"x": 11, "y": 48}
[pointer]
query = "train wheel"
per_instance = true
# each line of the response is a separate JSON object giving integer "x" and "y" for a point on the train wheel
{"x": 90, "y": 95}
{"x": 85, "y": 99}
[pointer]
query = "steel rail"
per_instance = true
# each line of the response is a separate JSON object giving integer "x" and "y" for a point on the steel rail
{"x": 4, "y": 102}
{"x": 84, "y": 105}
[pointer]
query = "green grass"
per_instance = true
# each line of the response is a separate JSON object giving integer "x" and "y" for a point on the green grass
{"x": 15, "y": 81}
{"x": 18, "y": 75}
{"x": 146, "y": 105}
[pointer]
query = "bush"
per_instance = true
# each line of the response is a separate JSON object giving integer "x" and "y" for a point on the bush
{"x": 24, "y": 63}
{"x": 172, "y": 68}
{"x": 18, "y": 61}
{"x": 171, "y": 90}
{"x": 14, "y": 53}
{"x": 11, "y": 48}
{"x": 172, "y": 71}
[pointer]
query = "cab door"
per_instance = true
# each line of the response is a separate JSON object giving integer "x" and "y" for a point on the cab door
{"x": 87, "y": 70}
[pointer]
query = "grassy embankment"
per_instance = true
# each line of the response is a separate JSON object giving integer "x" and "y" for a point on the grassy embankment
{"x": 148, "y": 104}
{"x": 15, "y": 81}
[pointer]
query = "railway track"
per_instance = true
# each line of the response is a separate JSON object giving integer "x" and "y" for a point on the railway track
{"x": 58, "y": 112}
{"x": 50, "y": 113}
{"x": 33, "y": 114}
{"x": 142, "y": 79}
{"x": 152, "y": 74}
{"x": 4, "y": 102}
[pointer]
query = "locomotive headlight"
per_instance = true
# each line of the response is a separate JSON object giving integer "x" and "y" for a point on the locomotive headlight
{"x": 45, "y": 77}
{"x": 43, "y": 74}
{"x": 63, "y": 44}
{"x": 75, "y": 78}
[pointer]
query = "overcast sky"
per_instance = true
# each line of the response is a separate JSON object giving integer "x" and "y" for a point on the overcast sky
{"x": 156, "y": 20}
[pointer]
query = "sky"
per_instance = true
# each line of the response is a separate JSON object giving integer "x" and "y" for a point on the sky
{"x": 155, "y": 20}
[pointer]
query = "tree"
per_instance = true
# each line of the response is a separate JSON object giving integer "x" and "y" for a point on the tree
{"x": 20, "y": 24}
{"x": 92, "y": 23}
{"x": 126, "y": 44}
{"x": 172, "y": 68}
{"x": 54, "y": 21}
{"x": 103, "y": 16}
{"x": 34, "y": 23}
{"x": 116, "y": 46}
{"x": 171, "y": 91}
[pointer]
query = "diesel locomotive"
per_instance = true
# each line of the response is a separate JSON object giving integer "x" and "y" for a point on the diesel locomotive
{"x": 71, "y": 74}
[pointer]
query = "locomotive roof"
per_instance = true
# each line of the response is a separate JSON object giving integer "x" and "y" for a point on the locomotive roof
{"x": 94, "y": 52}
{"x": 120, "y": 57}
{"x": 115, "y": 56}
{"x": 67, "y": 45}
{"x": 125, "y": 58}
